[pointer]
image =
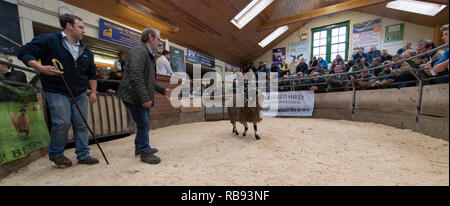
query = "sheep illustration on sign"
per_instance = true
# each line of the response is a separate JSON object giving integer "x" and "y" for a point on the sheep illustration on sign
{"x": 21, "y": 123}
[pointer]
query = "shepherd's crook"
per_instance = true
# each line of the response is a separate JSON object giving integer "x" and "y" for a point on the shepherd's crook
{"x": 58, "y": 65}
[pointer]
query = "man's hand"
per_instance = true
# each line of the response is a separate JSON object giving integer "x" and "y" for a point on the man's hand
{"x": 49, "y": 70}
{"x": 93, "y": 97}
{"x": 111, "y": 91}
{"x": 314, "y": 88}
{"x": 147, "y": 104}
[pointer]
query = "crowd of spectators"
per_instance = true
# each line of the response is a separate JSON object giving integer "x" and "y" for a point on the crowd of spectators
{"x": 364, "y": 70}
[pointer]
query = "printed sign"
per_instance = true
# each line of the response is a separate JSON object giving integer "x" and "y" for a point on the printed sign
{"x": 199, "y": 58}
{"x": 394, "y": 35}
{"x": 293, "y": 103}
{"x": 177, "y": 60}
{"x": 367, "y": 34}
{"x": 124, "y": 36}
{"x": 279, "y": 55}
{"x": 22, "y": 124}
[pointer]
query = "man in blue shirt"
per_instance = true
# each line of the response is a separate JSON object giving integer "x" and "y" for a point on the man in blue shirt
{"x": 441, "y": 66}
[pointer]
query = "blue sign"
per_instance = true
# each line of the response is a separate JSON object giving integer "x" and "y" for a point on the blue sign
{"x": 199, "y": 58}
{"x": 118, "y": 34}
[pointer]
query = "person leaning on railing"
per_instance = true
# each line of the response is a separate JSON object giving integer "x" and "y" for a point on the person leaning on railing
{"x": 319, "y": 83}
{"x": 406, "y": 67}
{"x": 338, "y": 82}
{"x": 300, "y": 82}
{"x": 441, "y": 66}
{"x": 387, "y": 71}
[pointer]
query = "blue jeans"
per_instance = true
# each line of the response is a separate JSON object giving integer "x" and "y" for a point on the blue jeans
{"x": 63, "y": 114}
{"x": 141, "y": 117}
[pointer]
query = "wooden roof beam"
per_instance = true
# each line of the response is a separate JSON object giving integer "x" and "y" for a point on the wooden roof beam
{"x": 348, "y": 5}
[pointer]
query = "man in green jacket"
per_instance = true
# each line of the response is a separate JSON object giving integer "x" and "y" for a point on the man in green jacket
{"x": 137, "y": 91}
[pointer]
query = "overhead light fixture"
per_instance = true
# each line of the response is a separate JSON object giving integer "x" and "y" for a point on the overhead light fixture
{"x": 275, "y": 34}
{"x": 418, "y": 7}
{"x": 249, "y": 12}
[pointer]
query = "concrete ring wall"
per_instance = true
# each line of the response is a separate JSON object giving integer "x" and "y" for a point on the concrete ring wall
{"x": 392, "y": 107}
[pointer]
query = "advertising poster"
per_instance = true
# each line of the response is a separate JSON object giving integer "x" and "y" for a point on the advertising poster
{"x": 177, "y": 60}
{"x": 366, "y": 34}
{"x": 22, "y": 124}
{"x": 298, "y": 50}
{"x": 394, "y": 35}
{"x": 278, "y": 55}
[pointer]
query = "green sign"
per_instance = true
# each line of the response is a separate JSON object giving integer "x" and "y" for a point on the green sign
{"x": 394, "y": 35}
{"x": 22, "y": 124}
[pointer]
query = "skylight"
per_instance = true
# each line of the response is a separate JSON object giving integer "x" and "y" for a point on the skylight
{"x": 419, "y": 7}
{"x": 249, "y": 12}
{"x": 275, "y": 34}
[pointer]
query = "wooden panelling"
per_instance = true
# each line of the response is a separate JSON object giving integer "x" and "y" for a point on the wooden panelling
{"x": 204, "y": 25}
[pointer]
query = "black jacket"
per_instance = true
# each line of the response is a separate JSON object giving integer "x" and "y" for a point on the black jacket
{"x": 77, "y": 72}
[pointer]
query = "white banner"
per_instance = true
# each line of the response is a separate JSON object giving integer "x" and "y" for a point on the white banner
{"x": 294, "y": 103}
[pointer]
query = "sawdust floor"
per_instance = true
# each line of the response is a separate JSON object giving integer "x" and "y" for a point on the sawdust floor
{"x": 290, "y": 152}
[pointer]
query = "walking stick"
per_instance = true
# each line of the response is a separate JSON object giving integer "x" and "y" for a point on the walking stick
{"x": 57, "y": 63}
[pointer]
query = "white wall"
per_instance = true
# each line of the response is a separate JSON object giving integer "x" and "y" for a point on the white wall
{"x": 412, "y": 32}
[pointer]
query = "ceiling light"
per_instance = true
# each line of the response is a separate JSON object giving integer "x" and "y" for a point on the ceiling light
{"x": 275, "y": 34}
{"x": 249, "y": 12}
{"x": 419, "y": 7}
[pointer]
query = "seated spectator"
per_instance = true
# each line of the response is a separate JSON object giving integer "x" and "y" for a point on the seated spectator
{"x": 338, "y": 61}
{"x": 263, "y": 70}
{"x": 320, "y": 83}
{"x": 284, "y": 68}
{"x": 120, "y": 64}
{"x": 359, "y": 55}
{"x": 302, "y": 67}
{"x": 406, "y": 47}
{"x": 336, "y": 83}
{"x": 261, "y": 67}
{"x": 385, "y": 55}
{"x": 372, "y": 54}
{"x": 324, "y": 63}
{"x": 319, "y": 69}
{"x": 441, "y": 66}
{"x": 250, "y": 67}
{"x": 425, "y": 46}
{"x": 348, "y": 66}
{"x": 299, "y": 82}
{"x": 406, "y": 67}
{"x": 106, "y": 87}
{"x": 376, "y": 63}
{"x": 384, "y": 83}
{"x": 313, "y": 62}
{"x": 365, "y": 82}
{"x": 397, "y": 58}
{"x": 274, "y": 68}
{"x": 360, "y": 65}
{"x": 285, "y": 84}
{"x": 10, "y": 73}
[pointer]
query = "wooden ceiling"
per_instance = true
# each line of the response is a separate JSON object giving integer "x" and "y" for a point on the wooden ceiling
{"x": 204, "y": 25}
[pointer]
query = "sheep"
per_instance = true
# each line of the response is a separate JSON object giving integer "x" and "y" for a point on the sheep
{"x": 246, "y": 114}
